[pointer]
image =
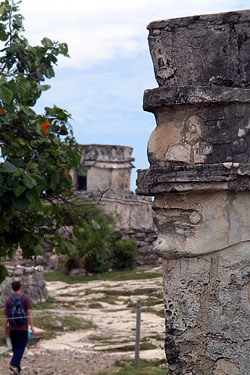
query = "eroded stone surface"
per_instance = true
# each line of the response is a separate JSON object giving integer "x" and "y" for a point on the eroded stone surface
{"x": 31, "y": 279}
{"x": 197, "y": 50}
{"x": 187, "y": 221}
{"x": 200, "y": 176}
{"x": 207, "y": 313}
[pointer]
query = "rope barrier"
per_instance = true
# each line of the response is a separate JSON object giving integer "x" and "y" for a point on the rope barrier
{"x": 39, "y": 316}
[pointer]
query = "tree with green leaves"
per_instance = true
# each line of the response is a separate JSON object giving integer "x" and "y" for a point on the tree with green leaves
{"x": 37, "y": 150}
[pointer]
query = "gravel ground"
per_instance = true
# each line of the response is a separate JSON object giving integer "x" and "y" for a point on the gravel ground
{"x": 58, "y": 362}
{"x": 78, "y": 353}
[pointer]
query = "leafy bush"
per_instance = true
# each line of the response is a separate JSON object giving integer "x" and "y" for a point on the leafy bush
{"x": 97, "y": 245}
{"x": 125, "y": 254}
{"x": 94, "y": 240}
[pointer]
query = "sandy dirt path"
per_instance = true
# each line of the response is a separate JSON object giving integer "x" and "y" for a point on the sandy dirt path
{"x": 109, "y": 306}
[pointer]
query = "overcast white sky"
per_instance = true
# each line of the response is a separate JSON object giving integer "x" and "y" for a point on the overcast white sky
{"x": 102, "y": 83}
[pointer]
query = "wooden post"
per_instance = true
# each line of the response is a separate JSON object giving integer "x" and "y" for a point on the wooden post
{"x": 138, "y": 332}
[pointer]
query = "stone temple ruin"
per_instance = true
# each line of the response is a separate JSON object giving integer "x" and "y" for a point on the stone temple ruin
{"x": 108, "y": 183}
{"x": 199, "y": 174}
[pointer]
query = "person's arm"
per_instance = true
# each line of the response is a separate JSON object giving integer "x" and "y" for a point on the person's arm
{"x": 5, "y": 326}
{"x": 30, "y": 320}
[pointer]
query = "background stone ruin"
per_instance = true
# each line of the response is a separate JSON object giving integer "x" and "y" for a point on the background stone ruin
{"x": 200, "y": 176}
{"x": 108, "y": 184}
{"x": 108, "y": 168}
{"x": 31, "y": 279}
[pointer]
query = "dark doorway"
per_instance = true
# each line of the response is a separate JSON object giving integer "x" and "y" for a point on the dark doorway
{"x": 82, "y": 183}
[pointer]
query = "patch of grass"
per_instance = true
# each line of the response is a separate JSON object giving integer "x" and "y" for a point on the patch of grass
{"x": 56, "y": 324}
{"x": 71, "y": 323}
{"x": 111, "y": 300}
{"x": 154, "y": 337}
{"x": 57, "y": 275}
{"x": 121, "y": 293}
{"x": 159, "y": 313}
{"x": 107, "y": 276}
{"x": 99, "y": 338}
{"x": 151, "y": 301}
{"x": 79, "y": 306}
{"x": 49, "y": 304}
{"x": 131, "y": 348}
{"x": 106, "y": 297}
{"x": 147, "y": 346}
{"x": 95, "y": 305}
{"x": 125, "y": 363}
{"x": 69, "y": 304}
{"x": 116, "y": 310}
{"x": 108, "y": 340}
{"x": 158, "y": 367}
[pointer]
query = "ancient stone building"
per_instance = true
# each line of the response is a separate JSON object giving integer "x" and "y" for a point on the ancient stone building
{"x": 107, "y": 183}
{"x": 200, "y": 176}
{"x": 108, "y": 167}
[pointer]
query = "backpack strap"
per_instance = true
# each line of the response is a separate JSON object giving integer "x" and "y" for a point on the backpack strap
{"x": 19, "y": 298}
{"x": 16, "y": 298}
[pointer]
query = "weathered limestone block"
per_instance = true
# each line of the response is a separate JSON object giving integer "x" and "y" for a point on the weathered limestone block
{"x": 198, "y": 145}
{"x": 202, "y": 49}
{"x": 31, "y": 279}
{"x": 187, "y": 221}
{"x": 207, "y": 313}
{"x": 200, "y": 176}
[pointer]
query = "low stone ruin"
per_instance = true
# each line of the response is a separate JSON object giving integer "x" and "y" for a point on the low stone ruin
{"x": 200, "y": 176}
{"x": 134, "y": 219}
{"x": 32, "y": 281}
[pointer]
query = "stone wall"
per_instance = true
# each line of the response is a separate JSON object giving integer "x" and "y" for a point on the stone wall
{"x": 31, "y": 279}
{"x": 200, "y": 176}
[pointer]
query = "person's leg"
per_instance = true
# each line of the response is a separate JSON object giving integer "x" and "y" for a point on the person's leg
{"x": 19, "y": 341}
{"x": 14, "y": 340}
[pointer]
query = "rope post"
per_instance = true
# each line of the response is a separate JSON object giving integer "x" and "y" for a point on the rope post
{"x": 138, "y": 332}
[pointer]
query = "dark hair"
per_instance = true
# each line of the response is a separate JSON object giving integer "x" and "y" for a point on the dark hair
{"x": 16, "y": 285}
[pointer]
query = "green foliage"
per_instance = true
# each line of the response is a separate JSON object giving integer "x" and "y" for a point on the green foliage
{"x": 58, "y": 275}
{"x": 125, "y": 254}
{"x": 153, "y": 367}
{"x": 94, "y": 238}
{"x": 37, "y": 151}
{"x": 97, "y": 245}
{"x": 3, "y": 272}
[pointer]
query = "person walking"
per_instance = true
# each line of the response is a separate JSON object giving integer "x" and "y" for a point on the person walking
{"x": 18, "y": 331}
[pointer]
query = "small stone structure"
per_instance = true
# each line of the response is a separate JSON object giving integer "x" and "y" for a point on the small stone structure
{"x": 31, "y": 279}
{"x": 108, "y": 167}
{"x": 200, "y": 176}
{"x": 108, "y": 183}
